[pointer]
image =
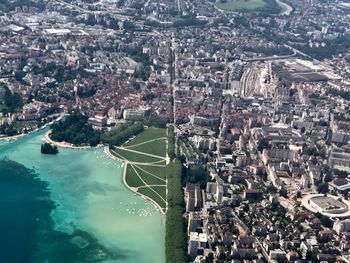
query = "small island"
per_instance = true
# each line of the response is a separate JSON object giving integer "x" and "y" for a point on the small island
{"x": 47, "y": 148}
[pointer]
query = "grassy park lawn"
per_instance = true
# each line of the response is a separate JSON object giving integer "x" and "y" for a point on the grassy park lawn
{"x": 146, "y": 164}
{"x": 147, "y": 135}
{"x": 158, "y": 170}
{"x": 135, "y": 157}
{"x": 157, "y": 147}
{"x": 160, "y": 189}
{"x": 132, "y": 179}
{"x": 236, "y": 5}
{"x": 148, "y": 178}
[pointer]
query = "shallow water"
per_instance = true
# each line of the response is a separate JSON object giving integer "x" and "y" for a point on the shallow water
{"x": 79, "y": 210}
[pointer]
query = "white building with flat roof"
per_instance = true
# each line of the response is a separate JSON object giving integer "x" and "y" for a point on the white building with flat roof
{"x": 197, "y": 241}
{"x": 341, "y": 226}
{"x": 59, "y": 32}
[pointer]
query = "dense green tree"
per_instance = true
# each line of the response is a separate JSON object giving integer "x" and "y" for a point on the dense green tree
{"x": 8, "y": 130}
{"x": 327, "y": 178}
{"x": 225, "y": 150}
{"x": 326, "y": 222}
{"x": 195, "y": 176}
{"x": 271, "y": 189}
{"x": 122, "y": 133}
{"x": 149, "y": 96}
{"x": 171, "y": 143}
{"x": 284, "y": 193}
{"x": 341, "y": 174}
{"x": 76, "y": 130}
{"x": 310, "y": 151}
{"x": 263, "y": 144}
{"x": 175, "y": 241}
{"x": 47, "y": 148}
{"x": 322, "y": 188}
{"x": 188, "y": 21}
{"x": 298, "y": 195}
{"x": 12, "y": 101}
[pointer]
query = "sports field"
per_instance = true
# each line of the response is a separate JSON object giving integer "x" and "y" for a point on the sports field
{"x": 146, "y": 161}
{"x": 237, "y": 5}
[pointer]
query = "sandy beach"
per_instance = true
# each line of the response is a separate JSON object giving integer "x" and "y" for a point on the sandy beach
{"x": 64, "y": 144}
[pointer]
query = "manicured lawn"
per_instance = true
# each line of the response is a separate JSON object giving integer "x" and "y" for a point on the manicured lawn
{"x": 148, "y": 192}
{"x": 157, "y": 147}
{"x": 151, "y": 141}
{"x": 156, "y": 170}
{"x": 134, "y": 157}
{"x": 131, "y": 178}
{"x": 160, "y": 190}
{"x": 148, "y": 134}
{"x": 149, "y": 179}
{"x": 236, "y": 5}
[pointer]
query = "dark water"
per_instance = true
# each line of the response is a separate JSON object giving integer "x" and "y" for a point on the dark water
{"x": 26, "y": 228}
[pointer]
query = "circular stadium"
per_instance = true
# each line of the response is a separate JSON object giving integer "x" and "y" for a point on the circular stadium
{"x": 327, "y": 205}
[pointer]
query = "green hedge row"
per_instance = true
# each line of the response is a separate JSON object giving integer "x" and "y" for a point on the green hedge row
{"x": 171, "y": 143}
{"x": 175, "y": 238}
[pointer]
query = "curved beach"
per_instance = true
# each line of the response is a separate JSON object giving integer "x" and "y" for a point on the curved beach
{"x": 63, "y": 144}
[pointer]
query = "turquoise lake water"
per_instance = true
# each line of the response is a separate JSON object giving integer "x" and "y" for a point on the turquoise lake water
{"x": 72, "y": 207}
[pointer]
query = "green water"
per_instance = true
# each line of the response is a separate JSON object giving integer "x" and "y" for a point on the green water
{"x": 85, "y": 215}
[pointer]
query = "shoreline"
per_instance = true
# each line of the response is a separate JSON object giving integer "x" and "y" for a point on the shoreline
{"x": 12, "y": 138}
{"x": 18, "y": 136}
{"x": 132, "y": 189}
{"x": 65, "y": 144}
{"x": 21, "y": 135}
